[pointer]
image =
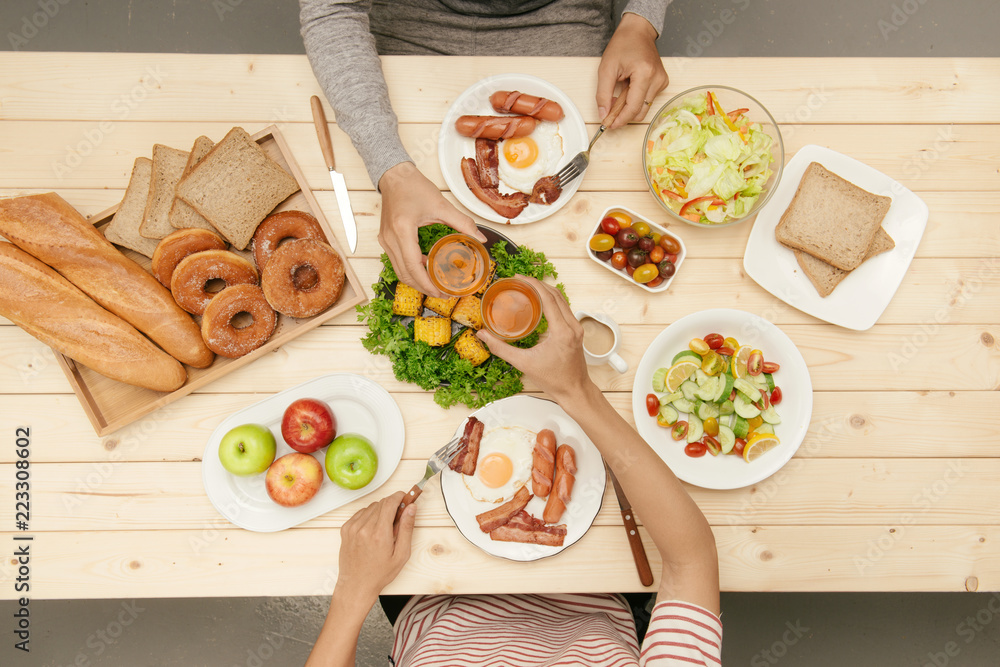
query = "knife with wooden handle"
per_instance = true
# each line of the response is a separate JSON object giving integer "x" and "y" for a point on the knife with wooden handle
{"x": 634, "y": 540}
{"x": 339, "y": 184}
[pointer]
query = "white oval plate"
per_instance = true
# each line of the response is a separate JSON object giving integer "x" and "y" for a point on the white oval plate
{"x": 795, "y": 409}
{"x": 360, "y": 406}
{"x": 452, "y": 146}
{"x": 533, "y": 414}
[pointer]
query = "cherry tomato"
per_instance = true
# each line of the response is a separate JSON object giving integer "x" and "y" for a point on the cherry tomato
{"x": 672, "y": 257}
{"x": 645, "y": 273}
{"x": 601, "y": 242}
{"x": 776, "y": 396}
{"x": 738, "y": 447}
{"x": 667, "y": 268}
{"x": 712, "y": 363}
{"x": 711, "y": 426}
{"x": 604, "y": 255}
{"x": 641, "y": 228}
{"x": 714, "y": 340}
{"x": 618, "y": 260}
{"x": 656, "y": 254}
{"x": 656, "y": 237}
{"x": 770, "y": 367}
{"x": 627, "y": 238}
{"x": 610, "y": 226}
{"x": 712, "y": 445}
{"x": 670, "y": 244}
{"x": 636, "y": 257}
{"x": 765, "y": 401}
{"x": 652, "y": 405}
{"x": 624, "y": 219}
{"x": 629, "y": 269}
{"x": 731, "y": 343}
{"x": 655, "y": 282}
{"x": 728, "y": 351}
{"x": 695, "y": 449}
{"x": 732, "y": 395}
{"x": 698, "y": 346}
{"x": 755, "y": 364}
{"x": 679, "y": 431}
{"x": 646, "y": 243}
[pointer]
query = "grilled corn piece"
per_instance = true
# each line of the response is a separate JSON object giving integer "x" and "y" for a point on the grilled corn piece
{"x": 468, "y": 312}
{"x": 408, "y": 302}
{"x": 493, "y": 274}
{"x": 442, "y": 307}
{"x": 435, "y": 331}
{"x": 471, "y": 348}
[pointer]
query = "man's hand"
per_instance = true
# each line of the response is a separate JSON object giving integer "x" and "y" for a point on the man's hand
{"x": 556, "y": 364}
{"x": 631, "y": 54}
{"x": 411, "y": 201}
{"x": 372, "y": 550}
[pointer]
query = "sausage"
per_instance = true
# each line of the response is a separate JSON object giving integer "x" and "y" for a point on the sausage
{"x": 543, "y": 463}
{"x": 495, "y": 127}
{"x": 562, "y": 488}
{"x": 529, "y": 105}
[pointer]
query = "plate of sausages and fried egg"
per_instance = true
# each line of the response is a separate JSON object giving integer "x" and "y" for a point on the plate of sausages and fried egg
{"x": 527, "y": 482}
{"x": 502, "y": 142}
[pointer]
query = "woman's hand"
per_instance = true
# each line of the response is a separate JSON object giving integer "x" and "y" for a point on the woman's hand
{"x": 411, "y": 201}
{"x": 631, "y": 54}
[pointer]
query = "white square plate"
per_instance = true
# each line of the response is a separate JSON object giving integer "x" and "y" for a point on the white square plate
{"x": 862, "y": 297}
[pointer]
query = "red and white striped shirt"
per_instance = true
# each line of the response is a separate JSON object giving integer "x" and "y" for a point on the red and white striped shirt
{"x": 569, "y": 629}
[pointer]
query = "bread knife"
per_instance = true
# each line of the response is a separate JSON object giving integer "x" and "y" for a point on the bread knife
{"x": 339, "y": 184}
{"x": 634, "y": 540}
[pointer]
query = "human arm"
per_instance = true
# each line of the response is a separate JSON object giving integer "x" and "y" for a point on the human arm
{"x": 631, "y": 54}
{"x": 678, "y": 528}
{"x": 371, "y": 555}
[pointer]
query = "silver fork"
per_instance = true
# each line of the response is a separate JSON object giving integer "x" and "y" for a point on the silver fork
{"x": 579, "y": 163}
{"x": 435, "y": 464}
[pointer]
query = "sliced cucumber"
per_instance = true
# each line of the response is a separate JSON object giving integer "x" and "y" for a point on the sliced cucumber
{"x": 759, "y": 381}
{"x": 708, "y": 390}
{"x": 740, "y": 427}
{"x": 659, "y": 378}
{"x": 726, "y": 408}
{"x": 769, "y": 379}
{"x": 745, "y": 408}
{"x": 747, "y": 390}
{"x": 764, "y": 428}
{"x": 670, "y": 398}
{"x": 667, "y": 414}
{"x": 701, "y": 377}
{"x": 726, "y": 438}
{"x": 688, "y": 388}
{"x": 705, "y": 410}
{"x": 686, "y": 353}
{"x": 725, "y": 388}
{"x": 770, "y": 416}
{"x": 683, "y": 405}
{"x": 695, "y": 428}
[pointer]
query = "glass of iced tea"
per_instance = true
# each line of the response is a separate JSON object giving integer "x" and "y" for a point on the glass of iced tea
{"x": 511, "y": 309}
{"x": 459, "y": 265}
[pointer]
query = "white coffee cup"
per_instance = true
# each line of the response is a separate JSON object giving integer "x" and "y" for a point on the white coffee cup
{"x": 610, "y": 356}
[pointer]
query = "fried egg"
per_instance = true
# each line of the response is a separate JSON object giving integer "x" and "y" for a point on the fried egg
{"x": 523, "y": 160}
{"x": 503, "y": 466}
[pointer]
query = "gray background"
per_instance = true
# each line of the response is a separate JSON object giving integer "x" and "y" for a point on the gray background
{"x": 834, "y": 629}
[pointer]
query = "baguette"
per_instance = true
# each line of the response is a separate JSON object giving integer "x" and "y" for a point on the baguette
{"x": 50, "y": 308}
{"x": 51, "y": 230}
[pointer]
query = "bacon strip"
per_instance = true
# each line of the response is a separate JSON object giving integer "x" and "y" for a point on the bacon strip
{"x": 527, "y": 529}
{"x": 509, "y": 206}
{"x": 498, "y": 516}
{"x": 468, "y": 454}
{"x": 546, "y": 190}
{"x": 488, "y": 163}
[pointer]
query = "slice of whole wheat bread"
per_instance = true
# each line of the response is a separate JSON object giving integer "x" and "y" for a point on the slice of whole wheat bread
{"x": 825, "y": 277}
{"x": 123, "y": 229}
{"x": 168, "y": 165}
{"x": 235, "y": 186}
{"x": 831, "y": 218}
{"x": 182, "y": 216}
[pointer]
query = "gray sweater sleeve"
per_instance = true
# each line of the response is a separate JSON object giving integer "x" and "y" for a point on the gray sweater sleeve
{"x": 653, "y": 11}
{"x": 342, "y": 53}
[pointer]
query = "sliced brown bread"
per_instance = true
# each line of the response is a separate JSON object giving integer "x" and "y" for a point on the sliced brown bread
{"x": 182, "y": 216}
{"x": 825, "y": 277}
{"x": 123, "y": 229}
{"x": 235, "y": 186}
{"x": 168, "y": 165}
{"x": 831, "y": 219}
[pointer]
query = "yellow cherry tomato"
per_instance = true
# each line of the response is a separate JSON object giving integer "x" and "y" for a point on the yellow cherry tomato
{"x": 712, "y": 363}
{"x": 699, "y": 346}
{"x": 645, "y": 273}
{"x": 731, "y": 343}
{"x": 624, "y": 219}
{"x": 641, "y": 228}
{"x": 602, "y": 242}
{"x": 656, "y": 238}
{"x": 711, "y": 426}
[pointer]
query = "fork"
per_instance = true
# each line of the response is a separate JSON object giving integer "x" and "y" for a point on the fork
{"x": 579, "y": 163}
{"x": 435, "y": 464}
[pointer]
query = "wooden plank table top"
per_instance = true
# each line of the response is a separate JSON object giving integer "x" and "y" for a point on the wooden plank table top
{"x": 894, "y": 488}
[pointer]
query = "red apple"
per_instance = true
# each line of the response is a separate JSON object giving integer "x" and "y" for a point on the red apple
{"x": 293, "y": 479}
{"x": 308, "y": 425}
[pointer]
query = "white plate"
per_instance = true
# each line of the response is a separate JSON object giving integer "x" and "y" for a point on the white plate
{"x": 360, "y": 406}
{"x": 862, "y": 297}
{"x": 533, "y": 414}
{"x": 452, "y": 146}
{"x": 795, "y": 409}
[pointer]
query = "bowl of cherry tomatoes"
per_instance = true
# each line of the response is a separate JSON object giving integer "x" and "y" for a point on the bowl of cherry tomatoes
{"x": 641, "y": 252}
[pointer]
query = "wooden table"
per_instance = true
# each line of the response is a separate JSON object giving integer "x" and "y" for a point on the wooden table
{"x": 895, "y": 487}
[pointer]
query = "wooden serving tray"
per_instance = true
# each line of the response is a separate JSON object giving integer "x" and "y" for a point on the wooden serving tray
{"x": 110, "y": 404}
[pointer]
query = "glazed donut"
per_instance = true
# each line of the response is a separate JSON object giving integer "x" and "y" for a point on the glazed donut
{"x": 194, "y": 271}
{"x": 178, "y": 245}
{"x": 217, "y": 328}
{"x": 302, "y": 278}
{"x": 280, "y": 226}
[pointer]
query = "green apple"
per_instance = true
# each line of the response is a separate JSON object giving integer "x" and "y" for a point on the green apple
{"x": 351, "y": 461}
{"x": 247, "y": 450}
